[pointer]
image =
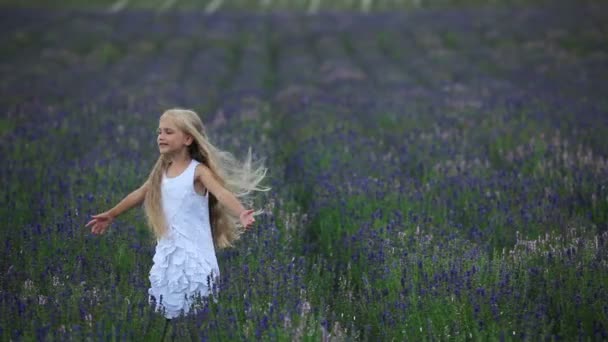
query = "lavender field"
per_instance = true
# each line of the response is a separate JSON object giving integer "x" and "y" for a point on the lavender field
{"x": 436, "y": 174}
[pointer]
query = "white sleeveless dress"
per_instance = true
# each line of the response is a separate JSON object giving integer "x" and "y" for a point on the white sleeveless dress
{"x": 185, "y": 264}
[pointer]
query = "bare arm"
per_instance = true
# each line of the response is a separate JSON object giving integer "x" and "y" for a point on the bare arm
{"x": 224, "y": 196}
{"x": 100, "y": 222}
{"x": 131, "y": 200}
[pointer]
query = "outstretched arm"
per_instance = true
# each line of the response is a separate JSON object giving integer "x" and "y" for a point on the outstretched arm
{"x": 102, "y": 221}
{"x": 204, "y": 175}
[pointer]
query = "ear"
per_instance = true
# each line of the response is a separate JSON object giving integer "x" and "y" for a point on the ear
{"x": 189, "y": 140}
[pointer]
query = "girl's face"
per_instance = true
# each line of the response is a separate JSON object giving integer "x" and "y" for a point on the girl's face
{"x": 170, "y": 139}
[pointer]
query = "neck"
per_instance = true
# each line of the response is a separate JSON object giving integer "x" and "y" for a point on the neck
{"x": 181, "y": 158}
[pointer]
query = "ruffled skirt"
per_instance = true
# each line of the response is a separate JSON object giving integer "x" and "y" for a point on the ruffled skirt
{"x": 179, "y": 275}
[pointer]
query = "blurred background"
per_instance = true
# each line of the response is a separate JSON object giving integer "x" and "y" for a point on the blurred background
{"x": 276, "y": 5}
{"x": 438, "y": 168}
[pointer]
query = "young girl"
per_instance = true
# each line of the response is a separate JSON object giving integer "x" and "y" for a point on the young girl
{"x": 190, "y": 200}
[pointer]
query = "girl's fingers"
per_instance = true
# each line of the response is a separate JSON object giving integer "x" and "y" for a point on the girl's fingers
{"x": 97, "y": 228}
{"x": 92, "y": 223}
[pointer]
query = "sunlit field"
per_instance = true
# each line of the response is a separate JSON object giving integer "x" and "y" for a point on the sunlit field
{"x": 437, "y": 173}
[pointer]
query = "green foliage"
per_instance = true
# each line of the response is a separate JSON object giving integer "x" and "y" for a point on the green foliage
{"x": 488, "y": 225}
{"x": 273, "y": 5}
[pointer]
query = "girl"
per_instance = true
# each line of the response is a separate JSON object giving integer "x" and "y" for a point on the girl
{"x": 190, "y": 200}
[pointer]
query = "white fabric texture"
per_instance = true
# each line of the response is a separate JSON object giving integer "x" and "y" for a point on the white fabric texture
{"x": 185, "y": 265}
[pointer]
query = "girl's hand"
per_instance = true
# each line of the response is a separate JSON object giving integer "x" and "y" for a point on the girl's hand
{"x": 246, "y": 218}
{"x": 100, "y": 222}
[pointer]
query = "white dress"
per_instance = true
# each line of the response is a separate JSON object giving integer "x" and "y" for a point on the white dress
{"x": 185, "y": 264}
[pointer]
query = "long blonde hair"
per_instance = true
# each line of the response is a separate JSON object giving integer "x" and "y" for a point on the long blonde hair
{"x": 240, "y": 178}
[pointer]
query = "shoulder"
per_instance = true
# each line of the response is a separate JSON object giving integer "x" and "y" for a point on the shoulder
{"x": 145, "y": 186}
{"x": 202, "y": 171}
{"x": 200, "y": 167}
{"x": 207, "y": 177}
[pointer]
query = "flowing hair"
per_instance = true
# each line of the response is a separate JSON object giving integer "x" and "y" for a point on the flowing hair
{"x": 240, "y": 178}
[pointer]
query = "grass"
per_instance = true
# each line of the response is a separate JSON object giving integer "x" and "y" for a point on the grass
{"x": 452, "y": 200}
{"x": 271, "y": 5}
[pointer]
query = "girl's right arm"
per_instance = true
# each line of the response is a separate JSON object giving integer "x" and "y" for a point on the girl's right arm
{"x": 101, "y": 222}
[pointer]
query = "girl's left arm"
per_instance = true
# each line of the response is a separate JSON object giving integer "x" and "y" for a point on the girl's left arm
{"x": 204, "y": 175}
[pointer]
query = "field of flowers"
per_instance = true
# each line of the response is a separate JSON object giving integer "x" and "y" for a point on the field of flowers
{"x": 308, "y": 6}
{"x": 439, "y": 174}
